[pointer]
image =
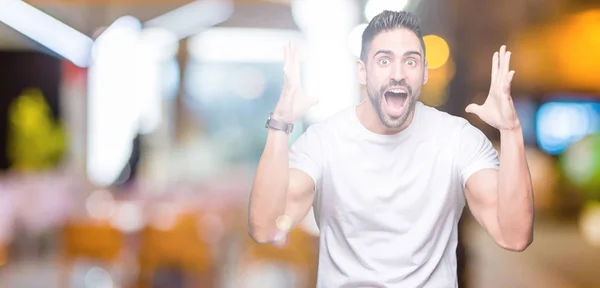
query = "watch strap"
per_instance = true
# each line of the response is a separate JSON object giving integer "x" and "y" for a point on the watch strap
{"x": 273, "y": 123}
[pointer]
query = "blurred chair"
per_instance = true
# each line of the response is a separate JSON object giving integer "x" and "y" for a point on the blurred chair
{"x": 3, "y": 256}
{"x": 179, "y": 246}
{"x": 299, "y": 252}
{"x": 91, "y": 240}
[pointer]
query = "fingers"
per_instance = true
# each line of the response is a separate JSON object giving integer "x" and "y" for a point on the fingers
{"x": 506, "y": 63}
{"x": 501, "y": 65}
{"x": 290, "y": 56}
{"x": 290, "y": 63}
{"x": 294, "y": 63}
{"x": 494, "y": 67}
{"x": 286, "y": 56}
{"x": 472, "y": 108}
{"x": 502, "y": 56}
{"x": 296, "y": 60}
{"x": 291, "y": 67}
{"x": 510, "y": 76}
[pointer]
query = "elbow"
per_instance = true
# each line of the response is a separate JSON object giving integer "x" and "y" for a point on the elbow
{"x": 517, "y": 238}
{"x": 259, "y": 235}
{"x": 258, "y": 238}
{"x": 266, "y": 236}
{"x": 518, "y": 245}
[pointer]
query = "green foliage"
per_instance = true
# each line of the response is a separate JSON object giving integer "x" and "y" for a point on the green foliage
{"x": 35, "y": 140}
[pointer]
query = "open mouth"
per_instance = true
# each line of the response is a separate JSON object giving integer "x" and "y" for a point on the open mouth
{"x": 396, "y": 98}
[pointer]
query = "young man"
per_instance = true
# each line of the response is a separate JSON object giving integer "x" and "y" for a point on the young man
{"x": 389, "y": 177}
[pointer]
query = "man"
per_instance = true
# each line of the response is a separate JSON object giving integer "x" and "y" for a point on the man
{"x": 389, "y": 177}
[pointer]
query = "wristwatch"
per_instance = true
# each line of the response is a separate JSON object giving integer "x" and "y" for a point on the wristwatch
{"x": 279, "y": 125}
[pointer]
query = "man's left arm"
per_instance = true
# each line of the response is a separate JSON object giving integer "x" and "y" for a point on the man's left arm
{"x": 502, "y": 200}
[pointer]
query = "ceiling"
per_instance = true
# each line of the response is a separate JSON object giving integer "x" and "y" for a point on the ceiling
{"x": 84, "y": 18}
{"x": 88, "y": 18}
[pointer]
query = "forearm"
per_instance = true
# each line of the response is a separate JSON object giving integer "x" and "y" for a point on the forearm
{"x": 269, "y": 191}
{"x": 515, "y": 192}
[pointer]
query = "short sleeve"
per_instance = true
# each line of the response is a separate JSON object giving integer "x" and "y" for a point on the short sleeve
{"x": 306, "y": 154}
{"x": 475, "y": 152}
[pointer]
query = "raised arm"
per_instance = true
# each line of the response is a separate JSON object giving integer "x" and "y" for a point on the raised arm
{"x": 281, "y": 196}
{"x": 502, "y": 200}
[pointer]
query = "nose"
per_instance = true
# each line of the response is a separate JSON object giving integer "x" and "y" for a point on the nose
{"x": 397, "y": 72}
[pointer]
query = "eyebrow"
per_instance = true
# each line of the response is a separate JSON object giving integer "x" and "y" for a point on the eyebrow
{"x": 407, "y": 53}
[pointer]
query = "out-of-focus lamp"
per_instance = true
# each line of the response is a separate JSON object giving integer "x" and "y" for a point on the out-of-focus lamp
{"x": 589, "y": 223}
{"x": 544, "y": 59}
{"x": 581, "y": 165}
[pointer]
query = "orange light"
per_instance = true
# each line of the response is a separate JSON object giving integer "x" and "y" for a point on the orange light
{"x": 435, "y": 92}
{"x": 560, "y": 56}
{"x": 437, "y": 51}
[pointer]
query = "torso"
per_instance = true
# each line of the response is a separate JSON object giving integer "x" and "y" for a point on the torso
{"x": 388, "y": 206}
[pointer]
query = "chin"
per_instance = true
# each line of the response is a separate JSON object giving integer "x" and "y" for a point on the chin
{"x": 390, "y": 119}
{"x": 394, "y": 120}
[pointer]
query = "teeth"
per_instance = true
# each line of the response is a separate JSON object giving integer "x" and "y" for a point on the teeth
{"x": 397, "y": 91}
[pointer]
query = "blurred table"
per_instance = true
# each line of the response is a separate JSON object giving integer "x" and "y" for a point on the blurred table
{"x": 558, "y": 258}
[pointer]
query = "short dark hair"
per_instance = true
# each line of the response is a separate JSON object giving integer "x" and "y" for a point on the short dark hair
{"x": 388, "y": 21}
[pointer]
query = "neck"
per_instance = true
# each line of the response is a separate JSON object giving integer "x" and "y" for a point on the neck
{"x": 368, "y": 117}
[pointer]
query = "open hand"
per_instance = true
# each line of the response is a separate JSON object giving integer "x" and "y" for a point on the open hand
{"x": 293, "y": 103}
{"x": 498, "y": 110}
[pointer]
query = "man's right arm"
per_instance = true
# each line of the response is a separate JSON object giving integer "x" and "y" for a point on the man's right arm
{"x": 278, "y": 191}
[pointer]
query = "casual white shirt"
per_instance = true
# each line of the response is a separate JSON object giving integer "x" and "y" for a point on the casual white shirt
{"x": 388, "y": 206}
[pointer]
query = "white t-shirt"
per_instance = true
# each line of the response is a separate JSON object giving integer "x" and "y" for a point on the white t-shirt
{"x": 388, "y": 206}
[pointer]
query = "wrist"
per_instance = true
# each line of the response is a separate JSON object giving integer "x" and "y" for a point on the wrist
{"x": 278, "y": 134}
{"x": 282, "y": 117}
{"x": 277, "y": 124}
{"x": 516, "y": 128}
{"x": 512, "y": 133}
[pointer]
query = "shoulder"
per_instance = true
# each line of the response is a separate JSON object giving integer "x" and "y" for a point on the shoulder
{"x": 335, "y": 122}
{"x": 450, "y": 129}
{"x": 437, "y": 120}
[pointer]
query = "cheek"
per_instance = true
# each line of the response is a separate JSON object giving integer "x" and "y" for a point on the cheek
{"x": 374, "y": 85}
{"x": 376, "y": 76}
{"x": 416, "y": 77}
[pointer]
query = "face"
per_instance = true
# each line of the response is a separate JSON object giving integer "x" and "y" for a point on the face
{"x": 394, "y": 73}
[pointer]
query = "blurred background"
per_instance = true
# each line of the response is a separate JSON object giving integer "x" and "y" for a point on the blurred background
{"x": 130, "y": 131}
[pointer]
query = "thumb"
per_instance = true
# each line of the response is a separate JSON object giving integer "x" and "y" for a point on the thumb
{"x": 473, "y": 108}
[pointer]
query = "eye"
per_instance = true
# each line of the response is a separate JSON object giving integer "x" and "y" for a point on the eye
{"x": 384, "y": 61}
{"x": 411, "y": 62}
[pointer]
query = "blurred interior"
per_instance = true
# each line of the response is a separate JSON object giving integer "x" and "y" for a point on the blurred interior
{"x": 131, "y": 129}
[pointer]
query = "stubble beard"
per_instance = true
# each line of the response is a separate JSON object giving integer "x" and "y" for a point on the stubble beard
{"x": 376, "y": 98}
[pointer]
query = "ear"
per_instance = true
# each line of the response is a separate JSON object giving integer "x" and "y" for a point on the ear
{"x": 361, "y": 72}
{"x": 425, "y": 72}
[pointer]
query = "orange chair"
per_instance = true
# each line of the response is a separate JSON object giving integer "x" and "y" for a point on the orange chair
{"x": 299, "y": 251}
{"x": 3, "y": 257}
{"x": 94, "y": 240}
{"x": 181, "y": 246}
